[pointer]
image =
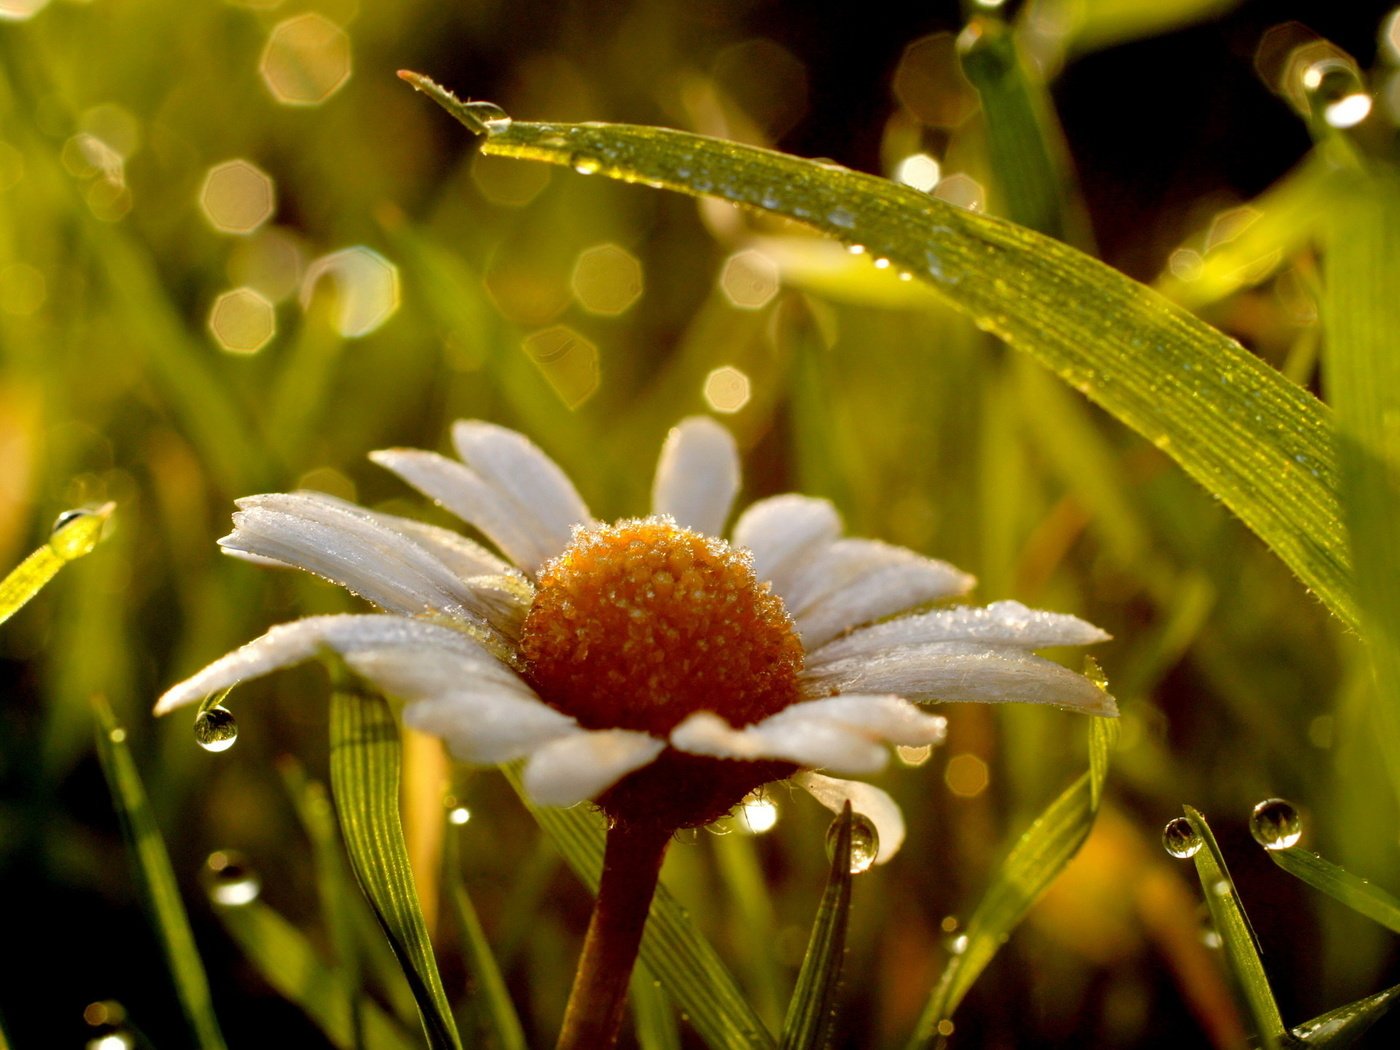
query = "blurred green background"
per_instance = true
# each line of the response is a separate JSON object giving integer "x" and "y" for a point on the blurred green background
{"x": 236, "y": 254}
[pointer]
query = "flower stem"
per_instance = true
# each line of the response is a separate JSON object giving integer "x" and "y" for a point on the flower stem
{"x": 631, "y": 865}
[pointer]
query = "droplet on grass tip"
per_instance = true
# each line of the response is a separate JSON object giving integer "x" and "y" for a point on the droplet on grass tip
{"x": 584, "y": 164}
{"x": 493, "y": 118}
{"x": 1275, "y": 824}
{"x": 865, "y": 842}
{"x": 216, "y": 729}
{"x": 1180, "y": 838}
{"x": 230, "y": 879}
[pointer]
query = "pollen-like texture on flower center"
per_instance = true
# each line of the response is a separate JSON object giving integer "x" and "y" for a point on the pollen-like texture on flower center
{"x": 639, "y": 624}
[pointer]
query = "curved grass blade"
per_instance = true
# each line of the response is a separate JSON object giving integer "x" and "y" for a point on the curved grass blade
{"x": 1335, "y": 881}
{"x": 653, "y": 1016}
{"x": 1342, "y": 1027}
{"x": 1237, "y": 936}
{"x": 1255, "y": 440}
{"x": 365, "y": 761}
{"x": 156, "y": 879}
{"x": 286, "y": 960}
{"x": 676, "y": 952}
{"x": 1038, "y": 856}
{"x": 812, "y": 1010}
{"x": 71, "y": 539}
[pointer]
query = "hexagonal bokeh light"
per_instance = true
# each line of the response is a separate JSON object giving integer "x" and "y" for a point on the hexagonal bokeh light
{"x": 567, "y": 360}
{"x": 606, "y": 280}
{"x": 929, "y": 82}
{"x": 749, "y": 279}
{"x": 727, "y": 389}
{"x": 366, "y": 288}
{"x": 242, "y": 321}
{"x": 237, "y": 197}
{"x": 306, "y": 60}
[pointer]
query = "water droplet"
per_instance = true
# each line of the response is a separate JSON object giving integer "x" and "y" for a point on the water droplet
{"x": 856, "y": 249}
{"x": 117, "y": 1039}
{"x": 841, "y": 217}
{"x": 230, "y": 879}
{"x": 957, "y": 945}
{"x": 1275, "y": 824}
{"x": 459, "y": 815}
{"x": 492, "y": 116}
{"x": 215, "y": 729}
{"x": 865, "y": 842}
{"x": 68, "y": 517}
{"x": 882, "y": 263}
{"x": 1335, "y": 92}
{"x": 1179, "y": 838}
{"x": 117, "y": 735}
{"x": 584, "y": 164}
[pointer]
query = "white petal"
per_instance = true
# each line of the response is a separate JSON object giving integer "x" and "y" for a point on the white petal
{"x": 886, "y": 718}
{"x": 872, "y": 803}
{"x": 782, "y": 532}
{"x": 1001, "y": 624}
{"x": 518, "y": 532}
{"x": 953, "y": 671}
{"x": 815, "y": 742}
{"x": 583, "y": 766}
{"x": 293, "y": 643}
{"x": 697, "y": 476}
{"x": 852, "y": 582}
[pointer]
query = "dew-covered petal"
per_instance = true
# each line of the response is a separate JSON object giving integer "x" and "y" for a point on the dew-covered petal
{"x": 292, "y": 643}
{"x": 872, "y": 803}
{"x": 783, "y": 532}
{"x": 956, "y": 671}
{"x": 878, "y": 717}
{"x": 852, "y": 582}
{"x": 813, "y": 742}
{"x": 1000, "y": 623}
{"x": 584, "y": 765}
{"x": 697, "y": 476}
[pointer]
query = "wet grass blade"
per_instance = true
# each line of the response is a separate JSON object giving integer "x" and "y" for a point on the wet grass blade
{"x": 1237, "y": 936}
{"x": 812, "y": 1011}
{"x": 676, "y": 952}
{"x": 286, "y": 960}
{"x": 1356, "y": 893}
{"x": 70, "y": 540}
{"x": 1038, "y": 856}
{"x": 1342, "y": 1027}
{"x": 653, "y": 1016}
{"x": 1251, "y": 437}
{"x": 365, "y": 764}
{"x": 156, "y": 880}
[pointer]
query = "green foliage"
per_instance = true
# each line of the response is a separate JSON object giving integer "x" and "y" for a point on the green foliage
{"x": 71, "y": 540}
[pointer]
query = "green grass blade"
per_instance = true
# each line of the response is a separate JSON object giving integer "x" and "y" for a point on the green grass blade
{"x": 675, "y": 951}
{"x": 653, "y": 1016}
{"x": 501, "y": 1021}
{"x": 365, "y": 766}
{"x": 753, "y": 922}
{"x": 69, "y": 542}
{"x": 157, "y": 882}
{"x": 1038, "y": 856}
{"x": 1342, "y": 1027}
{"x": 1355, "y": 892}
{"x": 1237, "y": 936}
{"x": 286, "y": 960}
{"x": 812, "y": 1011}
{"x": 1255, "y": 440}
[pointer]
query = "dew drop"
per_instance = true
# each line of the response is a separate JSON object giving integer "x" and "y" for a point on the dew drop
{"x": 1275, "y": 824}
{"x": 215, "y": 729}
{"x": 230, "y": 879}
{"x": 492, "y": 116}
{"x": 841, "y": 217}
{"x": 117, "y": 736}
{"x": 117, "y": 1039}
{"x": 584, "y": 164}
{"x": 67, "y": 518}
{"x": 865, "y": 842}
{"x": 856, "y": 249}
{"x": 459, "y": 815}
{"x": 1179, "y": 838}
{"x": 882, "y": 263}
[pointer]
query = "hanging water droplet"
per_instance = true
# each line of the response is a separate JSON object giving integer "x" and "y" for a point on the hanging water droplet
{"x": 215, "y": 729}
{"x": 865, "y": 842}
{"x": 584, "y": 164}
{"x": 1180, "y": 839}
{"x": 856, "y": 249}
{"x": 1335, "y": 92}
{"x": 1275, "y": 824}
{"x": 881, "y": 263}
{"x": 230, "y": 879}
{"x": 117, "y": 1039}
{"x": 68, "y": 517}
{"x": 493, "y": 118}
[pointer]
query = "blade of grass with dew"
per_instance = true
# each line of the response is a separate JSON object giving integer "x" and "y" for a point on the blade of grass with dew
{"x": 70, "y": 540}
{"x": 156, "y": 880}
{"x": 365, "y": 762}
{"x": 812, "y": 1010}
{"x": 1361, "y": 372}
{"x": 1236, "y": 935}
{"x": 286, "y": 961}
{"x": 1356, "y": 893}
{"x": 1255, "y": 440}
{"x": 1037, "y": 857}
{"x": 502, "y": 1024}
{"x": 653, "y": 1017}
{"x": 675, "y": 950}
{"x": 1092, "y": 24}
{"x": 1342, "y": 1027}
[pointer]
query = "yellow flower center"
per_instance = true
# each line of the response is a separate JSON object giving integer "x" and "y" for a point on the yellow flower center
{"x": 639, "y": 624}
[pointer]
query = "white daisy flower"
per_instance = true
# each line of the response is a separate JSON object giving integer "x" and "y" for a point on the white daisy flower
{"x": 646, "y": 664}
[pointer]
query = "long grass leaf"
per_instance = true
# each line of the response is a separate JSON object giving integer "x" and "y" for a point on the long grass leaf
{"x": 1255, "y": 440}
{"x": 1356, "y": 893}
{"x": 677, "y": 953}
{"x": 812, "y": 1011}
{"x": 1342, "y": 1027}
{"x": 653, "y": 1016}
{"x": 157, "y": 882}
{"x": 1236, "y": 935}
{"x": 1033, "y": 862}
{"x": 71, "y": 539}
{"x": 365, "y": 763}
